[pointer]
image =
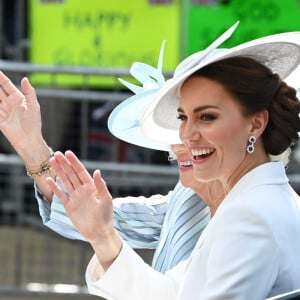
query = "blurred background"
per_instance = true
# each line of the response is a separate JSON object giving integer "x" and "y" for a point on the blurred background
{"x": 74, "y": 52}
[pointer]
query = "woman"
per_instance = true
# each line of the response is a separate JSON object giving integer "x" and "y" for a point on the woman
{"x": 234, "y": 112}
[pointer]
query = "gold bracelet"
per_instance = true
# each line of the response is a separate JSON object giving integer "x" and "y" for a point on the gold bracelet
{"x": 45, "y": 168}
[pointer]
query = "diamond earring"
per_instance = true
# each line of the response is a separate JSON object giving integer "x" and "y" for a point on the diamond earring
{"x": 250, "y": 147}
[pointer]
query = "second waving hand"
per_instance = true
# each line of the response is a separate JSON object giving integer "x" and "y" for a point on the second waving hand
{"x": 88, "y": 204}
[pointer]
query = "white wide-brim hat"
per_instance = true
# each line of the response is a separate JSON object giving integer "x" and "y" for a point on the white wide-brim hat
{"x": 279, "y": 52}
{"x": 123, "y": 121}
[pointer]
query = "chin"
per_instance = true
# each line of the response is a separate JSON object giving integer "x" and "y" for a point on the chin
{"x": 186, "y": 182}
{"x": 203, "y": 176}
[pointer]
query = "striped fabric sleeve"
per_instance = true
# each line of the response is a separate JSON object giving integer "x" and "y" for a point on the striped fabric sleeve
{"x": 137, "y": 219}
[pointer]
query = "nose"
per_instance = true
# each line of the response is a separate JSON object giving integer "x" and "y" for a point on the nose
{"x": 188, "y": 132}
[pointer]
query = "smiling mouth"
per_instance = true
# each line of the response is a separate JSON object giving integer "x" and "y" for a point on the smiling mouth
{"x": 185, "y": 164}
{"x": 202, "y": 153}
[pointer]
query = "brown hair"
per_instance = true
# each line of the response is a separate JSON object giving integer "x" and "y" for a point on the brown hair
{"x": 257, "y": 88}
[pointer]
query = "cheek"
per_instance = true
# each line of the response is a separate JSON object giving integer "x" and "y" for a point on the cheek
{"x": 235, "y": 140}
{"x": 231, "y": 137}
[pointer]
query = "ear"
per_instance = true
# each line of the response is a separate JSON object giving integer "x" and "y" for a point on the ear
{"x": 259, "y": 122}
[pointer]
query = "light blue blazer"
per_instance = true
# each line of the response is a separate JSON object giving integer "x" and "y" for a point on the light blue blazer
{"x": 249, "y": 250}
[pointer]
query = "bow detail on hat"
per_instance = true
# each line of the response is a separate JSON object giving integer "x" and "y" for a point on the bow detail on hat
{"x": 124, "y": 121}
{"x": 150, "y": 77}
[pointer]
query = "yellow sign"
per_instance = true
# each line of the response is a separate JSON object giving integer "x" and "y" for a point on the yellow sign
{"x": 102, "y": 33}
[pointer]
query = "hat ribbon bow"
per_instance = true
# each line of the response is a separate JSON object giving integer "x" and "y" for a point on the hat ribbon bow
{"x": 151, "y": 78}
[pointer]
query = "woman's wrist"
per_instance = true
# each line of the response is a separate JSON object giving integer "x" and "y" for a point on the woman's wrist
{"x": 107, "y": 249}
{"x": 34, "y": 154}
{"x": 43, "y": 169}
{"x": 36, "y": 157}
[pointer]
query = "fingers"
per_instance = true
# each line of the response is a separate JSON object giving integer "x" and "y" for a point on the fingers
{"x": 101, "y": 186}
{"x": 28, "y": 91}
{"x": 3, "y": 103}
{"x": 82, "y": 173}
{"x": 7, "y": 86}
{"x": 70, "y": 170}
{"x": 64, "y": 171}
{"x": 61, "y": 174}
{"x": 26, "y": 86}
{"x": 9, "y": 91}
{"x": 2, "y": 93}
{"x": 61, "y": 195}
{"x": 75, "y": 178}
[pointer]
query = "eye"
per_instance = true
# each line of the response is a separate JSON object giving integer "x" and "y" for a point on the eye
{"x": 208, "y": 117}
{"x": 181, "y": 117}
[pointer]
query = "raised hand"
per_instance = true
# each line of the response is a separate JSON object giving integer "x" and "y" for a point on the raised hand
{"x": 20, "y": 118}
{"x": 88, "y": 204}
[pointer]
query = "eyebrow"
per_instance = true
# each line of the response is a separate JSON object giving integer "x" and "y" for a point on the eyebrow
{"x": 198, "y": 109}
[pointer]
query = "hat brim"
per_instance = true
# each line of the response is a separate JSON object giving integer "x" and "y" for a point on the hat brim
{"x": 123, "y": 121}
{"x": 279, "y": 52}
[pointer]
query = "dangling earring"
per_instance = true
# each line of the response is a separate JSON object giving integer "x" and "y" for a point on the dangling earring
{"x": 250, "y": 147}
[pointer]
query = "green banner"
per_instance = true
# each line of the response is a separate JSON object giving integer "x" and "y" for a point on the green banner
{"x": 206, "y": 20}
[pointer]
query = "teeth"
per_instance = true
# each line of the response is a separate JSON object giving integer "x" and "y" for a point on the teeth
{"x": 202, "y": 151}
{"x": 185, "y": 163}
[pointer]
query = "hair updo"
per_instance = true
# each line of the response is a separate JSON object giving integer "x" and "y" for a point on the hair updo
{"x": 257, "y": 88}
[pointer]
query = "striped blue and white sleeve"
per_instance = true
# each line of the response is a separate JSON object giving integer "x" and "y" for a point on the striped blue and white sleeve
{"x": 137, "y": 219}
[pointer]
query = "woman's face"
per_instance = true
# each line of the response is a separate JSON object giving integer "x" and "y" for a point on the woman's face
{"x": 213, "y": 129}
{"x": 186, "y": 173}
